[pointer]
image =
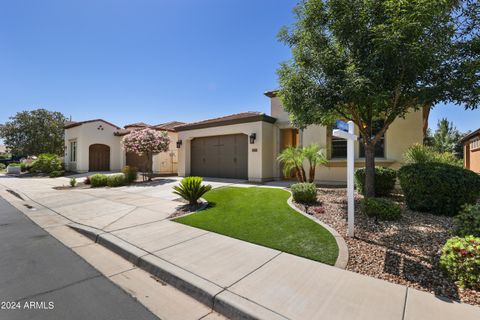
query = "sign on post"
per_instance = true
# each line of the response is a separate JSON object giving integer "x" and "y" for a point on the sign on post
{"x": 346, "y": 131}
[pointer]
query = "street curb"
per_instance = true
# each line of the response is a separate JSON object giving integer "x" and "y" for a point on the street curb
{"x": 210, "y": 294}
{"x": 342, "y": 259}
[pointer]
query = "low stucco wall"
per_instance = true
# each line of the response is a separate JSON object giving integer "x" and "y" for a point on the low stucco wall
{"x": 260, "y": 153}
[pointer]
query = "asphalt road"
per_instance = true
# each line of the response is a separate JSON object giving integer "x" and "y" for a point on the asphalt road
{"x": 40, "y": 278}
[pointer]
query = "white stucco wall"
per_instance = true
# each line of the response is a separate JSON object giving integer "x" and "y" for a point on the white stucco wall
{"x": 91, "y": 133}
{"x": 260, "y": 153}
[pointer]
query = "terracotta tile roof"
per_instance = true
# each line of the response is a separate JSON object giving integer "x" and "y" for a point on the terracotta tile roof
{"x": 71, "y": 124}
{"x": 169, "y": 125}
{"x": 470, "y": 135}
{"x": 243, "y": 117}
{"x": 136, "y": 124}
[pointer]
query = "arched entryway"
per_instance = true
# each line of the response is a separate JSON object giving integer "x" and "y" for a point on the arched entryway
{"x": 99, "y": 157}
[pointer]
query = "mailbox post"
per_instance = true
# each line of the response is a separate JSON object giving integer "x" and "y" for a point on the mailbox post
{"x": 350, "y": 137}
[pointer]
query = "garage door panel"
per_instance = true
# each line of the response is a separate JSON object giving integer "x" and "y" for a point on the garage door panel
{"x": 220, "y": 156}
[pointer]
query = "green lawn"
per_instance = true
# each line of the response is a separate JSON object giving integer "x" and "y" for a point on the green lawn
{"x": 262, "y": 216}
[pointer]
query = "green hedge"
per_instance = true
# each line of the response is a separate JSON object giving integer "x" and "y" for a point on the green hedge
{"x": 381, "y": 208}
{"x": 304, "y": 192}
{"x": 46, "y": 163}
{"x": 468, "y": 221}
{"x": 438, "y": 188}
{"x": 130, "y": 173}
{"x": 384, "y": 181}
{"x": 116, "y": 180}
{"x": 98, "y": 180}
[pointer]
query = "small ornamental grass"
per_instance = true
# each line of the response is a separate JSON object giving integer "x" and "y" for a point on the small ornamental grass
{"x": 384, "y": 181}
{"x": 98, "y": 180}
{"x": 191, "y": 189}
{"x": 381, "y": 209}
{"x": 73, "y": 182}
{"x": 461, "y": 260}
{"x": 468, "y": 221}
{"x": 116, "y": 180}
{"x": 130, "y": 173}
{"x": 304, "y": 192}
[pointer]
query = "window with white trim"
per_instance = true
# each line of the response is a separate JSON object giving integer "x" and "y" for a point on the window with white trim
{"x": 475, "y": 143}
{"x": 73, "y": 151}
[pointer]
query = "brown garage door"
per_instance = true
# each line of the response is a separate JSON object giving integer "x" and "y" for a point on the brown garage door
{"x": 99, "y": 157}
{"x": 220, "y": 156}
{"x": 134, "y": 160}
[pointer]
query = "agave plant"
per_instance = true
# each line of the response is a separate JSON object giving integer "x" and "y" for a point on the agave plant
{"x": 191, "y": 189}
{"x": 315, "y": 157}
{"x": 292, "y": 160}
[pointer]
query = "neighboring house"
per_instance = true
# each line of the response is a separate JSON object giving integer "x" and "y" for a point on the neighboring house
{"x": 471, "y": 151}
{"x": 246, "y": 145}
{"x": 95, "y": 145}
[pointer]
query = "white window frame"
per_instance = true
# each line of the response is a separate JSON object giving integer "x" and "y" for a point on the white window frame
{"x": 475, "y": 143}
{"x": 73, "y": 151}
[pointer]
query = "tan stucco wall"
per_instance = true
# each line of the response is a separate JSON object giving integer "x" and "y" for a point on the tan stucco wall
{"x": 88, "y": 134}
{"x": 401, "y": 134}
{"x": 259, "y": 161}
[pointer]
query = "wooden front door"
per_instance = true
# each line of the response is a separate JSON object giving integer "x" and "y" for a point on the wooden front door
{"x": 99, "y": 157}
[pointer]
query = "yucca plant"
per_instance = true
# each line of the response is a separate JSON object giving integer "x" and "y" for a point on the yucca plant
{"x": 292, "y": 160}
{"x": 315, "y": 157}
{"x": 191, "y": 189}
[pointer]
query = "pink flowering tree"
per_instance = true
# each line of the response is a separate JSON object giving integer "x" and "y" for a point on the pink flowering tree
{"x": 146, "y": 142}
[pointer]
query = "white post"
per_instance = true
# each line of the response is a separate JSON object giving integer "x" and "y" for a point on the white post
{"x": 350, "y": 172}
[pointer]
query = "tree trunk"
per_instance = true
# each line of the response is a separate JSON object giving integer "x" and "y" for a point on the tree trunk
{"x": 369, "y": 170}
{"x": 150, "y": 166}
{"x": 311, "y": 173}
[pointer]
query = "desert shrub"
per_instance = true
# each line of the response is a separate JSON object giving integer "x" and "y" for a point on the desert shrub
{"x": 191, "y": 189}
{"x": 130, "y": 173}
{"x": 381, "y": 208}
{"x": 55, "y": 174}
{"x": 87, "y": 180}
{"x": 438, "y": 188}
{"x": 2, "y": 166}
{"x": 384, "y": 180}
{"x": 468, "y": 221}
{"x": 461, "y": 260}
{"x": 98, "y": 180}
{"x": 116, "y": 180}
{"x": 304, "y": 192}
{"x": 73, "y": 182}
{"x": 46, "y": 163}
{"x": 419, "y": 153}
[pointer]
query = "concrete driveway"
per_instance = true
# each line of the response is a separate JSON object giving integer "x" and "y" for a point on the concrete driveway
{"x": 237, "y": 278}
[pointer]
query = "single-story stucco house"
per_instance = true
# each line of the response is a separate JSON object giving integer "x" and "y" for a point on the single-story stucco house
{"x": 240, "y": 146}
{"x": 95, "y": 145}
{"x": 471, "y": 151}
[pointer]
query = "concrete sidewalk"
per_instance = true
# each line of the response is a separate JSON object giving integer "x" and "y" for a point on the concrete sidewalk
{"x": 236, "y": 278}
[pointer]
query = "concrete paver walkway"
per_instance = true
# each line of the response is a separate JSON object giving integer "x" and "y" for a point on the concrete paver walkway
{"x": 232, "y": 275}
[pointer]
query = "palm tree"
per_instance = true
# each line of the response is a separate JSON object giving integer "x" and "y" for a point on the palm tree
{"x": 315, "y": 157}
{"x": 292, "y": 159}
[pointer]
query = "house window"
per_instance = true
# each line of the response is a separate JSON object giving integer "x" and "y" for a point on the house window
{"x": 379, "y": 146}
{"x": 73, "y": 151}
{"x": 339, "y": 148}
{"x": 475, "y": 144}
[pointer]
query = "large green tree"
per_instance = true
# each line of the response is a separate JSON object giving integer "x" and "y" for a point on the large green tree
{"x": 446, "y": 138}
{"x": 34, "y": 132}
{"x": 372, "y": 61}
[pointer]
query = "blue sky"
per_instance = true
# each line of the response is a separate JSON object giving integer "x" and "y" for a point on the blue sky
{"x": 147, "y": 60}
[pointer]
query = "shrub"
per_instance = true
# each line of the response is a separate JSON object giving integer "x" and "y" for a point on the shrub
{"x": 73, "y": 182}
{"x": 381, "y": 208}
{"x": 461, "y": 260}
{"x": 55, "y": 174}
{"x": 14, "y": 164}
{"x": 87, "y": 180}
{"x": 2, "y": 166}
{"x": 47, "y": 162}
{"x": 384, "y": 180}
{"x": 438, "y": 188}
{"x": 98, "y": 180}
{"x": 130, "y": 173}
{"x": 304, "y": 192}
{"x": 25, "y": 166}
{"x": 116, "y": 180}
{"x": 191, "y": 189}
{"x": 419, "y": 153}
{"x": 468, "y": 221}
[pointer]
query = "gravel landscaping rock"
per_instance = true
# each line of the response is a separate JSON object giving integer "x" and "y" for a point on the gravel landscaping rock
{"x": 404, "y": 251}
